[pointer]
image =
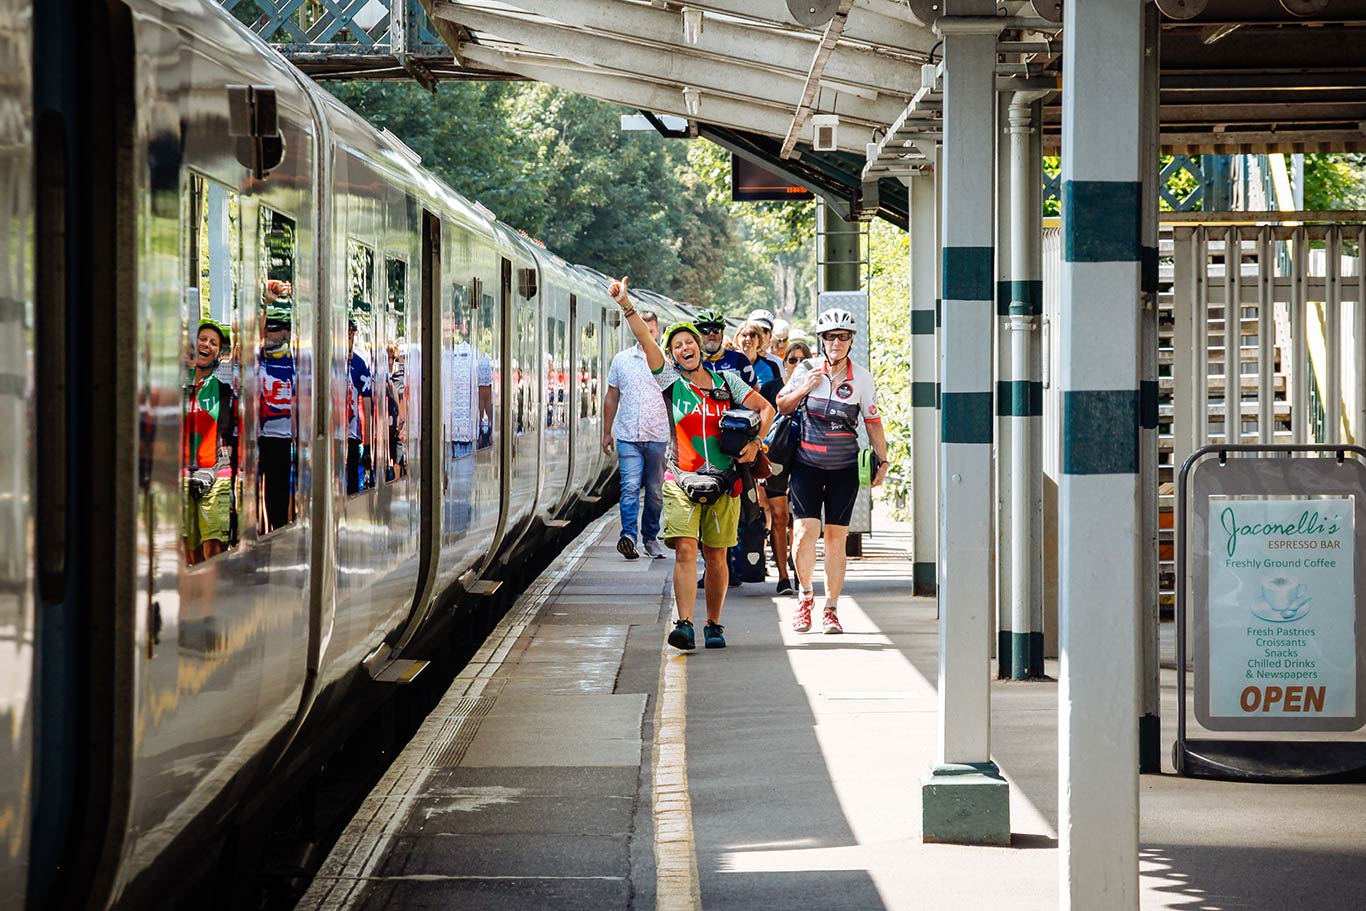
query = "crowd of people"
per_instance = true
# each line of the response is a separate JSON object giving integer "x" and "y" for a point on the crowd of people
{"x": 693, "y": 460}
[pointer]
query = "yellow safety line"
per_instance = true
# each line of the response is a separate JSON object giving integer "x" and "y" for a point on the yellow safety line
{"x": 676, "y": 884}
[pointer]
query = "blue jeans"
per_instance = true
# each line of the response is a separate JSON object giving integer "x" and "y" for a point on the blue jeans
{"x": 641, "y": 463}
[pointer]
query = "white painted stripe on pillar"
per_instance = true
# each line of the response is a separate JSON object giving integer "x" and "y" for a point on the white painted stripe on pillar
{"x": 1106, "y": 348}
{"x": 968, "y": 368}
{"x": 965, "y": 602}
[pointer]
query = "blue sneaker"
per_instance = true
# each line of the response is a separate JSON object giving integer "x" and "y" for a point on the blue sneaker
{"x": 711, "y": 635}
{"x": 682, "y": 636}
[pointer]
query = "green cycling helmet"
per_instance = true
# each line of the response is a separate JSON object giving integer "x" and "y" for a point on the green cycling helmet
{"x": 683, "y": 326}
{"x": 277, "y": 314}
{"x": 224, "y": 333}
{"x": 709, "y": 315}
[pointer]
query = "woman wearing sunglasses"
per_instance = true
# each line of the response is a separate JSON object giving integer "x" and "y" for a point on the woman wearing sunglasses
{"x": 697, "y": 397}
{"x": 833, "y": 393}
{"x": 797, "y": 352}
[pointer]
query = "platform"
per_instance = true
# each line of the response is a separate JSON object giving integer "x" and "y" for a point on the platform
{"x": 577, "y": 762}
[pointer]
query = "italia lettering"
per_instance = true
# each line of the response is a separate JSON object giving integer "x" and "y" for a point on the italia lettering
{"x": 1289, "y": 699}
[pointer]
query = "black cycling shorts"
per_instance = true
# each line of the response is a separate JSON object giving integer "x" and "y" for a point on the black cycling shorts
{"x": 832, "y": 488}
{"x": 776, "y": 485}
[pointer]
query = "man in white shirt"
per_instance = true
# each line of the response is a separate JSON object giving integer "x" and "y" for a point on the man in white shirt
{"x": 636, "y": 418}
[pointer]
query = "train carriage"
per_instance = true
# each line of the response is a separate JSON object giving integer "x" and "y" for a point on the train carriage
{"x": 288, "y": 396}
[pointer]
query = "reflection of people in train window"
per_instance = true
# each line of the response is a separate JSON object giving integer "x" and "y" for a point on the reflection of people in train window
{"x": 276, "y": 379}
{"x": 471, "y": 379}
{"x": 210, "y": 432}
{"x": 397, "y": 409}
{"x": 359, "y": 409}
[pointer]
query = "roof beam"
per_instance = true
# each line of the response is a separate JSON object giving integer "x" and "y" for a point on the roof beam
{"x": 833, "y": 29}
{"x": 729, "y": 38}
{"x": 869, "y": 23}
{"x": 680, "y": 68}
{"x": 646, "y": 96}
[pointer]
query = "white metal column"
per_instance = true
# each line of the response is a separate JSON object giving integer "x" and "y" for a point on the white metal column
{"x": 1100, "y": 528}
{"x": 924, "y": 244}
{"x": 965, "y": 800}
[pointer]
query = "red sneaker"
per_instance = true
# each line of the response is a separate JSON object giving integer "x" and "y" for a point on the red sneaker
{"x": 830, "y": 622}
{"x": 801, "y": 620}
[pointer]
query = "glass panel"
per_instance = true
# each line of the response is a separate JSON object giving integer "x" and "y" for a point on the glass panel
{"x": 395, "y": 384}
{"x": 360, "y": 370}
{"x": 211, "y": 405}
{"x": 487, "y": 350}
{"x": 276, "y": 375}
{"x": 460, "y": 375}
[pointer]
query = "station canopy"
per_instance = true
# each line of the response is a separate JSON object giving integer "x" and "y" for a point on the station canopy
{"x": 762, "y": 77}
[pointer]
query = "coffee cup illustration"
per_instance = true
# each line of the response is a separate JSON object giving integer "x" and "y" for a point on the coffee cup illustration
{"x": 1282, "y": 598}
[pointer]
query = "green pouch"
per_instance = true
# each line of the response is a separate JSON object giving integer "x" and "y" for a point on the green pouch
{"x": 868, "y": 464}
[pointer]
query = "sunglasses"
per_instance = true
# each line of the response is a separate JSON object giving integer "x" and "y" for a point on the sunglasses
{"x": 780, "y": 339}
{"x": 796, "y": 360}
{"x": 837, "y": 336}
{"x": 718, "y": 393}
{"x": 709, "y": 328}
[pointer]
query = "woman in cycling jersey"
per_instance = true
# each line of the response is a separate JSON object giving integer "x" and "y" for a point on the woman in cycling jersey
{"x": 833, "y": 393}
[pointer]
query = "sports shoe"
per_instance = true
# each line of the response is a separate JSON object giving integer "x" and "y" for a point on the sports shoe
{"x": 711, "y": 635}
{"x": 785, "y": 586}
{"x": 654, "y": 549}
{"x": 682, "y": 636}
{"x": 801, "y": 620}
{"x": 830, "y": 622}
{"x": 627, "y": 547}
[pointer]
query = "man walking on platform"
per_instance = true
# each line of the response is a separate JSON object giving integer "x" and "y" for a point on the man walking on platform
{"x": 636, "y": 419}
{"x": 701, "y": 487}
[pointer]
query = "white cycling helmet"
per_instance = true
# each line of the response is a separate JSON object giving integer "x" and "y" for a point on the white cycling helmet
{"x": 763, "y": 316}
{"x": 835, "y": 318}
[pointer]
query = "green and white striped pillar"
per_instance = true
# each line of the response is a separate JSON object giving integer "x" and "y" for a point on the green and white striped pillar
{"x": 924, "y": 382}
{"x": 1100, "y": 528}
{"x": 964, "y": 800}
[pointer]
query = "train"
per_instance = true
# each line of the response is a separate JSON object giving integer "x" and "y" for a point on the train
{"x": 214, "y": 547}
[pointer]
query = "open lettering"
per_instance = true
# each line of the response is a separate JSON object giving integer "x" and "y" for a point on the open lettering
{"x": 1288, "y": 699}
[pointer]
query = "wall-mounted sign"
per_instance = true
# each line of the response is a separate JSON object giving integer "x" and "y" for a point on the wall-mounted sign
{"x": 750, "y": 182}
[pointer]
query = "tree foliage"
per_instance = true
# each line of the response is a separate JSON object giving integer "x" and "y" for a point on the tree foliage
{"x": 889, "y": 295}
{"x": 1335, "y": 181}
{"x": 558, "y": 166}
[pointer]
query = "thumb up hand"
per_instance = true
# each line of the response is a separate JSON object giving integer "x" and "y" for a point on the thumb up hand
{"x": 617, "y": 290}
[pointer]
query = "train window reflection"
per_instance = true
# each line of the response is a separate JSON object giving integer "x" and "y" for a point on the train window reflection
{"x": 360, "y": 370}
{"x": 211, "y": 403}
{"x": 276, "y": 373}
{"x": 396, "y": 372}
{"x": 487, "y": 351}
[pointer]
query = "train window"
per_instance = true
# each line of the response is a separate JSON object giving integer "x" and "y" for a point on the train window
{"x": 276, "y": 375}
{"x": 211, "y": 402}
{"x": 396, "y": 372}
{"x": 523, "y": 366}
{"x": 588, "y": 369}
{"x": 361, "y": 439}
{"x": 488, "y": 352}
{"x": 462, "y": 374}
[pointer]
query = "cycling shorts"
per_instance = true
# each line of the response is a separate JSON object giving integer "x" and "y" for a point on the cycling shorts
{"x": 833, "y": 489}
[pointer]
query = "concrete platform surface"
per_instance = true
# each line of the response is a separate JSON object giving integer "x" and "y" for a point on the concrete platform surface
{"x": 579, "y": 763}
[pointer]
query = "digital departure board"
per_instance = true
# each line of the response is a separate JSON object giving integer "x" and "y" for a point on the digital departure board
{"x": 750, "y": 182}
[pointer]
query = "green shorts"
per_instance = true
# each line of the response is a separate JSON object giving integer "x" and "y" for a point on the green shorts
{"x": 206, "y": 519}
{"x": 716, "y": 525}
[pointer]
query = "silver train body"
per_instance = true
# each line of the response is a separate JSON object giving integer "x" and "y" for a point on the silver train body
{"x": 145, "y": 699}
